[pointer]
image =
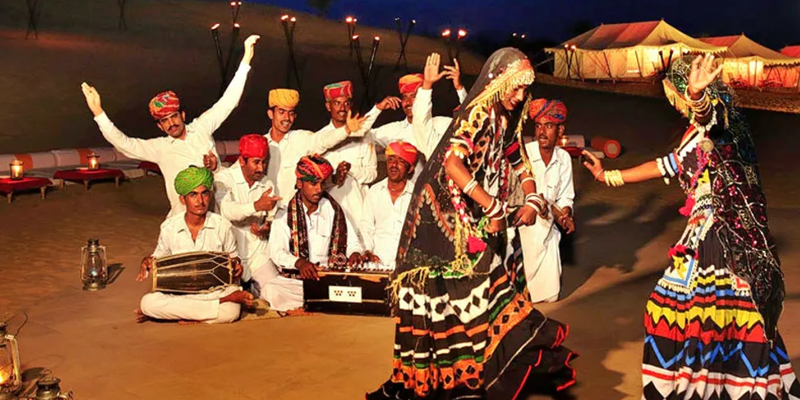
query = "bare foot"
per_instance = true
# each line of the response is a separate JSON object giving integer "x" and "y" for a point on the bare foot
{"x": 239, "y": 296}
{"x": 140, "y": 317}
{"x": 299, "y": 312}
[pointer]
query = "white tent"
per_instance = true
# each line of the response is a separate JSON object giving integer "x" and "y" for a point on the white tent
{"x": 629, "y": 51}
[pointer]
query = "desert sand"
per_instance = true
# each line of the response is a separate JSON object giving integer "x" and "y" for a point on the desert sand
{"x": 91, "y": 340}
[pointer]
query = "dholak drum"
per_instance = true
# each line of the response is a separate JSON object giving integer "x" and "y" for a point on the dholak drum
{"x": 195, "y": 272}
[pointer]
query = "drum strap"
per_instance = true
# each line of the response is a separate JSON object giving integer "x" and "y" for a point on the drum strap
{"x": 298, "y": 243}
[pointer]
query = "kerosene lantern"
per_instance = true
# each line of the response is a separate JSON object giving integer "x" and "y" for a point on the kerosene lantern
{"x": 16, "y": 169}
{"x": 48, "y": 388}
{"x": 94, "y": 164}
{"x": 10, "y": 377}
{"x": 94, "y": 269}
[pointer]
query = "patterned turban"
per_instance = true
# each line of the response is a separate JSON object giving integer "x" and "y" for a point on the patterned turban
{"x": 544, "y": 111}
{"x": 338, "y": 89}
{"x": 404, "y": 150}
{"x": 164, "y": 104}
{"x": 313, "y": 168}
{"x": 286, "y": 98}
{"x": 410, "y": 83}
{"x": 253, "y": 145}
{"x": 192, "y": 177}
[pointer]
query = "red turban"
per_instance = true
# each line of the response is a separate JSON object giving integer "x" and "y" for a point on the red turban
{"x": 164, "y": 104}
{"x": 544, "y": 111}
{"x": 404, "y": 150}
{"x": 313, "y": 168}
{"x": 253, "y": 145}
{"x": 410, "y": 83}
{"x": 338, "y": 89}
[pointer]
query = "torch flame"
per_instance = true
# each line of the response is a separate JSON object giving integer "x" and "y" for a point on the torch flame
{"x": 462, "y": 33}
{"x": 355, "y": 37}
{"x": 573, "y": 47}
{"x": 236, "y": 26}
{"x": 377, "y": 38}
{"x": 284, "y": 17}
{"x": 446, "y": 32}
{"x": 215, "y": 27}
{"x": 233, "y": 4}
{"x": 413, "y": 22}
{"x": 349, "y": 19}
{"x": 293, "y": 19}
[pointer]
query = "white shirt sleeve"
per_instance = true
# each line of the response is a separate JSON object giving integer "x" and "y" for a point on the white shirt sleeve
{"x": 139, "y": 149}
{"x": 566, "y": 194}
{"x": 279, "y": 243}
{"x": 462, "y": 94}
{"x": 422, "y": 125}
{"x": 229, "y": 207}
{"x": 367, "y": 223}
{"x": 382, "y": 134}
{"x": 210, "y": 120}
{"x": 319, "y": 143}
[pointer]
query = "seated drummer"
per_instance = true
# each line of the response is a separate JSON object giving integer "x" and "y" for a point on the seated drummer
{"x": 312, "y": 232}
{"x": 386, "y": 205}
{"x": 196, "y": 229}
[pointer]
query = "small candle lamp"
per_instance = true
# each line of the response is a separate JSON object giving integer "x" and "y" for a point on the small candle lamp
{"x": 93, "y": 163}
{"x": 94, "y": 268}
{"x": 10, "y": 377}
{"x": 563, "y": 141}
{"x": 17, "y": 170}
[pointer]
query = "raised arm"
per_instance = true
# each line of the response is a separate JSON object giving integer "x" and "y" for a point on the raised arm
{"x": 216, "y": 115}
{"x": 140, "y": 149}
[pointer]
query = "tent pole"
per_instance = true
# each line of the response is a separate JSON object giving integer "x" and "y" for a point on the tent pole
{"x": 639, "y": 63}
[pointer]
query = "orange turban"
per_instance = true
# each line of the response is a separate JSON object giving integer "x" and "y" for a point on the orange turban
{"x": 410, "y": 83}
{"x": 164, "y": 104}
{"x": 543, "y": 111}
{"x": 253, "y": 145}
{"x": 404, "y": 150}
{"x": 313, "y": 168}
{"x": 338, "y": 89}
{"x": 286, "y": 98}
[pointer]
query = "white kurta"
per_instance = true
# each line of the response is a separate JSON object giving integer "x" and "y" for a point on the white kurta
{"x": 175, "y": 238}
{"x": 382, "y": 221}
{"x": 540, "y": 240}
{"x": 284, "y": 155}
{"x": 360, "y": 153}
{"x": 236, "y": 198}
{"x": 427, "y": 129}
{"x": 174, "y": 155}
{"x": 319, "y": 226}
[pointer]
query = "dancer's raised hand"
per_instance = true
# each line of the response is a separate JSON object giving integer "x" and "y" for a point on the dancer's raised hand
{"x": 702, "y": 74}
{"x": 431, "y": 72}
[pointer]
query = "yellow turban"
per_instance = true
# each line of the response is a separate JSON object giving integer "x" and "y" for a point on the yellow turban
{"x": 285, "y": 98}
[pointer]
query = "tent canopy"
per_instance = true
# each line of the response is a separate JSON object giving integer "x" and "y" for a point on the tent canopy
{"x": 650, "y": 33}
{"x": 742, "y": 47}
{"x": 791, "y": 51}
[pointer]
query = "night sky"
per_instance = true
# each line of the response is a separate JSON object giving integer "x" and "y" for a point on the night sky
{"x": 773, "y": 23}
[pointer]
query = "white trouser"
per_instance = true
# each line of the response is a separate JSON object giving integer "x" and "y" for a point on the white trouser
{"x": 542, "y": 261}
{"x": 282, "y": 293}
{"x": 204, "y": 307}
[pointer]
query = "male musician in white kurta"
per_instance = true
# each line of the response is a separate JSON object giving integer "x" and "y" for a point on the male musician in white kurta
{"x": 312, "y": 231}
{"x": 552, "y": 167}
{"x": 196, "y": 229}
{"x": 354, "y": 158}
{"x": 287, "y": 146}
{"x": 386, "y": 205}
{"x": 185, "y": 144}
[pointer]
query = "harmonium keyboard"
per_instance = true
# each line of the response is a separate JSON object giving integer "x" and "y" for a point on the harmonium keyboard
{"x": 356, "y": 291}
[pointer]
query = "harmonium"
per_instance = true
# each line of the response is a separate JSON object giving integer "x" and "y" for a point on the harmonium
{"x": 343, "y": 290}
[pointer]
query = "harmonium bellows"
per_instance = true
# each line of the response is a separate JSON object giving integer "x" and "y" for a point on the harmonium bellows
{"x": 353, "y": 291}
